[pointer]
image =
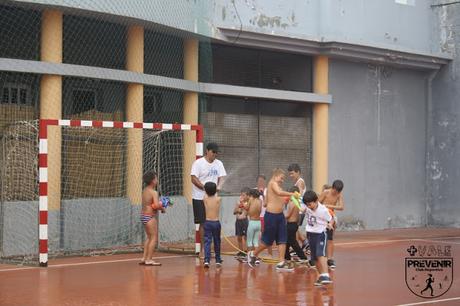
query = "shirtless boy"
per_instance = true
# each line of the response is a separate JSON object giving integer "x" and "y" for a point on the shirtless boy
{"x": 333, "y": 199}
{"x": 275, "y": 222}
{"x": 212, "y": 225}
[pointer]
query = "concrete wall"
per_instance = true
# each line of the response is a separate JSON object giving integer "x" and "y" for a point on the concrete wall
{"x": 393, "y": 24}
{"x": 190, "y": 16}
{"x": 444, "y": 145}
{"x": 377, "y": 144}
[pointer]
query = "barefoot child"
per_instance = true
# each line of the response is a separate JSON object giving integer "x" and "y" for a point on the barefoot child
{"x": 150, "y": 204}
{"x": 211, "y": 225}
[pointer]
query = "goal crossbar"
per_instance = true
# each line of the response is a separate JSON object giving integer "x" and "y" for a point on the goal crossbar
{"x": 43, "y": 163}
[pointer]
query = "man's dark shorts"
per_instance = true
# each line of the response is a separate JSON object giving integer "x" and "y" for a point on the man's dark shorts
{"x": 199, "y": 212}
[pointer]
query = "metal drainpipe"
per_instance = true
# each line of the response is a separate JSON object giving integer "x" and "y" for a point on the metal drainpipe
{"x": 428, "y": 134}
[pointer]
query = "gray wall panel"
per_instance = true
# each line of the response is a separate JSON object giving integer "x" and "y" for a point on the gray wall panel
{"x": 377, "y": 144}
{"x": 444, "y": 145}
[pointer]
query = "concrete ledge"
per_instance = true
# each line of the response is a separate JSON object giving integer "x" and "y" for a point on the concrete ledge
{"x": 38, "y": 67}
{"x": 350, "y": 51}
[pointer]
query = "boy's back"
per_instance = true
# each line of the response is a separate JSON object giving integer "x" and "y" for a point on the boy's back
{"x": 254, "y": 209}
{"x": 212, "y": 206}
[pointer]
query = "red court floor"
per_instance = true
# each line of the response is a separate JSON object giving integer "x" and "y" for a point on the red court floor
{"x": 370, "y": 271}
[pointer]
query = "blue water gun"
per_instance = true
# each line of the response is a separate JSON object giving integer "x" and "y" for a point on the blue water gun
{"x": 166, "y": 201}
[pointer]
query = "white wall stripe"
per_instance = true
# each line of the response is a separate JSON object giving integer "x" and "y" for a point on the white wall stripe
{"x": 86, "y": 123}
{"x": 185, "y": 127}
{"x": 43, "y": 175}
{"x": 199, "y": 149}
{"x": 107, "y": 123}
{"x": 43, "y": 257}
{"x": 167, "y": 126}
{"x": 43, "y": 231}
{"x": 64, "y": 122}
{"x": 147, "y": 125}
{"x": 43, "y": 146}
{"x": 197, "y": 248}
{"x": 43, "y": 203}
{"x": 128, "y": 125}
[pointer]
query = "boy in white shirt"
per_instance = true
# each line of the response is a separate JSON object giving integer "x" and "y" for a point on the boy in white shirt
{"x": 318, "y": 220}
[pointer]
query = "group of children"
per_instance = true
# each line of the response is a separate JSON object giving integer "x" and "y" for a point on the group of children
{"x": 273, "y": 215}
{"x": 268, "y": 214}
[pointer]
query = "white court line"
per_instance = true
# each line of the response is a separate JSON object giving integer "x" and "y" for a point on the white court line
{"x": 373, "y": 242}
{"x": 438, "y": 241}
{"x": 92, "y": 263}
{"x": 430, "y": 302}
{"x": 19, "y": 269}
{"x": 399, "y": 240}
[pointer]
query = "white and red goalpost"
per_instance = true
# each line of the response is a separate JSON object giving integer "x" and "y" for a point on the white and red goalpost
{"x": 43, "y": 164}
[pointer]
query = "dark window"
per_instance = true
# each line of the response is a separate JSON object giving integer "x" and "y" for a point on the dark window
{"x": 153, "y": 109}
{"x": 5, "y": 95}
{"x": 23, "y": 96}
{"x": 83, "y": 100}
{"x": 15, "y": 93}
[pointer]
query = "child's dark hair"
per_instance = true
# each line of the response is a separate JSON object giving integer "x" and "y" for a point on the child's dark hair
{"x": 245, "y": 190}
{"x": 210, "y": 188}
{"x": 294, "y": 167}
{"x": 294, "y": 189}
{"x": 261, "y": 176}
{"x": 310, "y": 196}
{"x": 337, "y": 185}
{"x": 254, "y": 193}
{"x": 148, "y": 177}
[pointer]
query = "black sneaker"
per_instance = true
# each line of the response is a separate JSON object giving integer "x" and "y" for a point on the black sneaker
{"x": 305, "y": 245}
{"x": 331, "y": 263}
{"x": 312, "y": 263}
{"x": 219, "y": 263}
{"x": 284, "y": 266}
{"x": 323, "y": 280}
{"x": 251, "y": 259}
{"x": 240, "y": 254}
{"x": 206, "y": 264}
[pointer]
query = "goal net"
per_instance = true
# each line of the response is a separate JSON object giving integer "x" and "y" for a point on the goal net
{"x": 88, "y": 195}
